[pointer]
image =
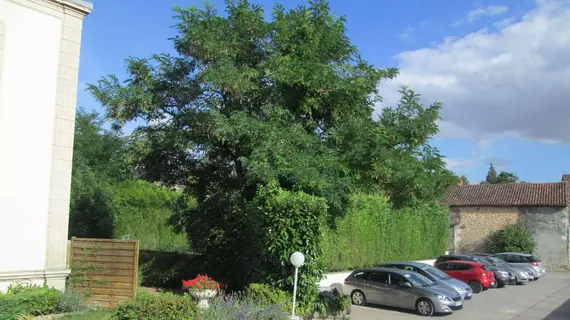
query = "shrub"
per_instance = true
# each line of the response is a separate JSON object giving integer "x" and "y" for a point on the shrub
{"x": 25, "y": 300}
{"x": 237, "y": 306}
{"x": 71, "y": 301}
{"x": 157, "y": 306}
{"x": 372, "y": 231}
{"x": 266, "y": 295}
{"x": 332, "y": 303}
{"x": 512, "y": 238}
{"x": 167, "y": 269}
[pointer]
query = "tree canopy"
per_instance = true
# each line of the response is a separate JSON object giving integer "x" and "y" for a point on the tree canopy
{"x": 503, "y": 177}
{"x": 248, "y": 105}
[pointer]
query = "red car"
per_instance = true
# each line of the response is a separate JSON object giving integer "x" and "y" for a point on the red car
{"x": 473, "y": 273}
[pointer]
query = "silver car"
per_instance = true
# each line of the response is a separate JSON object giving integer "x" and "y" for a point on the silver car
{"x": 434, "y": 274}
{"x": 401, "y": 289}
{"x": 523, "y": 274}
{"x": 523, "y": 259}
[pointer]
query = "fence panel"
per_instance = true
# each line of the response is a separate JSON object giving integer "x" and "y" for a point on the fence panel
{"x": 105, "y": 271}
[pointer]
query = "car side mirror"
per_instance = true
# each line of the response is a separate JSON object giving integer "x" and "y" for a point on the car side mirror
{"x": 405, "y": 284}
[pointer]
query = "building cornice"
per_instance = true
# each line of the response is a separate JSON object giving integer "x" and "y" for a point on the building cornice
{"x": 79, "y": 6}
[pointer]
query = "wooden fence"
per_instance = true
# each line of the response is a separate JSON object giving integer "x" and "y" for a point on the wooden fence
{"x": 105, "y": 271}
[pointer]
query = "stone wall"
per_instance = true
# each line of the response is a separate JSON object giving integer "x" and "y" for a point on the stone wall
{"x": 549, "y": 226}
{"x": 474, "y": 225}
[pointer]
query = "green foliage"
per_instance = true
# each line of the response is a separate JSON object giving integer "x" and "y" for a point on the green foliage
{"x": 491, "y": 175}
{"x": 238, "y": 306}
{"x": 158, "y": 306}
{"x": 292, "y": 222}
{"x": 503, "y": 177}
{"x": 142, "y": 204}
{"x": 92, "y": 209}
{"x": 167, "y": 269}
{"x": 507, "y": 177}
{"x": 29, "y": 300}
{"x": 251, "y": 114}
{"x": 266, "y": 295}
{"x": 71, "y": 301}
{"x": 333, "y": 303}
{"x": 512, "y": 238}
{"x": 373, "y": 232}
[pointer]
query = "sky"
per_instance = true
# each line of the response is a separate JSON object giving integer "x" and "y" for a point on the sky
{"x": 500, "y": 68}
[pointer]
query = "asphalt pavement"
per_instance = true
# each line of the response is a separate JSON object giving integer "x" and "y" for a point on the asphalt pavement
{"x": 545, "y": 299}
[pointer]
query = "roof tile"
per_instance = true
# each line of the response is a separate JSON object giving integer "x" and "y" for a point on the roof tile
{"x": 555, "y": 194}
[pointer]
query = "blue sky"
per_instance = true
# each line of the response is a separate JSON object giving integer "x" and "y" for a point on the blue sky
{"x": 501, "y": 68}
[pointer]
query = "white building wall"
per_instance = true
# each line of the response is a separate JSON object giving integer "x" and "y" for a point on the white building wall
{"x": 27, "y": 113}
{"x": 38, "y": 91}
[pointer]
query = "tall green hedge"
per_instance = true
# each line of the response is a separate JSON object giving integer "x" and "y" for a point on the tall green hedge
{"x": 373, "y": 232}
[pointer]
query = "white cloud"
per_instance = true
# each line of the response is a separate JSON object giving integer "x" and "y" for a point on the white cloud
{"x": 510, "y": 82}
{"x": 487, "y": 11}
{"x": 481, "y": 12}
{"x": 456, "y": 163}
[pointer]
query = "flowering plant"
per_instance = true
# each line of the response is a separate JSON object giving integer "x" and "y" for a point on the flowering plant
{"x": 201, "y": 282}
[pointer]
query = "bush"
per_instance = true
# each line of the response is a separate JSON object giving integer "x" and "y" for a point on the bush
{"x": 512, "y": 238}
{"x": 167, "y": 269}
{"x": 71, "y": 301}
{"x": 332, "y": 303}
{"x": 157, "y": 306}
{"x": 266, "y": 295}
{"x": 140, "y": 204}
{"x": 28, "y": 300}
{"x": 237, "y": 306}
{"x": 373, "y": 232}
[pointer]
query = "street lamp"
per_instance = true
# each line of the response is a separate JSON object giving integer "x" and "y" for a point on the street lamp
{"x": 297, "y": 260}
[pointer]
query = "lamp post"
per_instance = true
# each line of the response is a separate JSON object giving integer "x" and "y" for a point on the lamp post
{"x": 297, "y": 260}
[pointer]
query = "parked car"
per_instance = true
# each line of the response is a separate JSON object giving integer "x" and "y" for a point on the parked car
{"x": 523, "y": 273}
{"x": 473, "y": 273}
{"x": 432, "y": 273}
{"x": 524, "y": 259}
{"x": 503, "y": 275}
{"x": 400, "y": 288}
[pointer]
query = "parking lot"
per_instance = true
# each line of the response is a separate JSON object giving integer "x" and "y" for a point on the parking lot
{"x": 548, "y": 298}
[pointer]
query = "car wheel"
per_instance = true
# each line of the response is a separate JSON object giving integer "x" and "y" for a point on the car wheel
{"x": 476, "y": 286}
{"x": 358, "y": 298}
{"x": 424, "y": 307}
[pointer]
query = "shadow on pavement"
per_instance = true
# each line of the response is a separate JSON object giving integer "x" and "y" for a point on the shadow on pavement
{"x": 560, "y": 313}
{"x": 408, "y": 311}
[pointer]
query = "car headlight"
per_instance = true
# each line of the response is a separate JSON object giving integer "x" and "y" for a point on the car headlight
{"x": 503, "y": 273}
{"x": 460, "y": 289}
{"x": 443, "y": 298}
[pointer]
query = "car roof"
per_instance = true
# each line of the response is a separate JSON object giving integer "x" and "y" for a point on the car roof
{"x": 471, "y": 263}
{"x": 407, "y": 263}
{"x": 517, "y": 253}
{"x": 379, "y": 269}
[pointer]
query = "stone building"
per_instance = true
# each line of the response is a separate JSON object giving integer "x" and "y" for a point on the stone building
{"x": 477, "y": 211}
{"x": 40, "y": 44}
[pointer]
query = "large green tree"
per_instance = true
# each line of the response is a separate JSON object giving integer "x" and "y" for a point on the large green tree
{"x": 288, "y": 103}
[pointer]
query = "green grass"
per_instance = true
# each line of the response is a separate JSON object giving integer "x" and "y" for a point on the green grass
{"x": 90, "y": 315}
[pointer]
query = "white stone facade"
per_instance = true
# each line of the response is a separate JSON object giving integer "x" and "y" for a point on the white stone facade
{"x": 40, "y": 44}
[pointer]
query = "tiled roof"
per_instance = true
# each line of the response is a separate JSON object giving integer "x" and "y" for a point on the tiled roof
{"x": 555, "y": 194}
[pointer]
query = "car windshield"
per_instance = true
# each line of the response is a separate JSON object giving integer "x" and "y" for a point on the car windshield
{"x": 497, "y": 262}
{"x": 436, "y": 273}
{"x": 418, "y": 280}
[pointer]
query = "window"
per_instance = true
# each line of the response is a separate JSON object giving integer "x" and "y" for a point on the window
{"x": 361, "y": 275}
{"x": 396, "y": 278}
{"x": 463, "y": 267}
{"x": 446, "y": 266}
{"x": 379, "y": 277}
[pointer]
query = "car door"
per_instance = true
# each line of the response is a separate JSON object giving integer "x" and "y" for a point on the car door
{"x": 378, "y": 286}
{"x": 402, "y": 297}
{"x": 463, "y": 272}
